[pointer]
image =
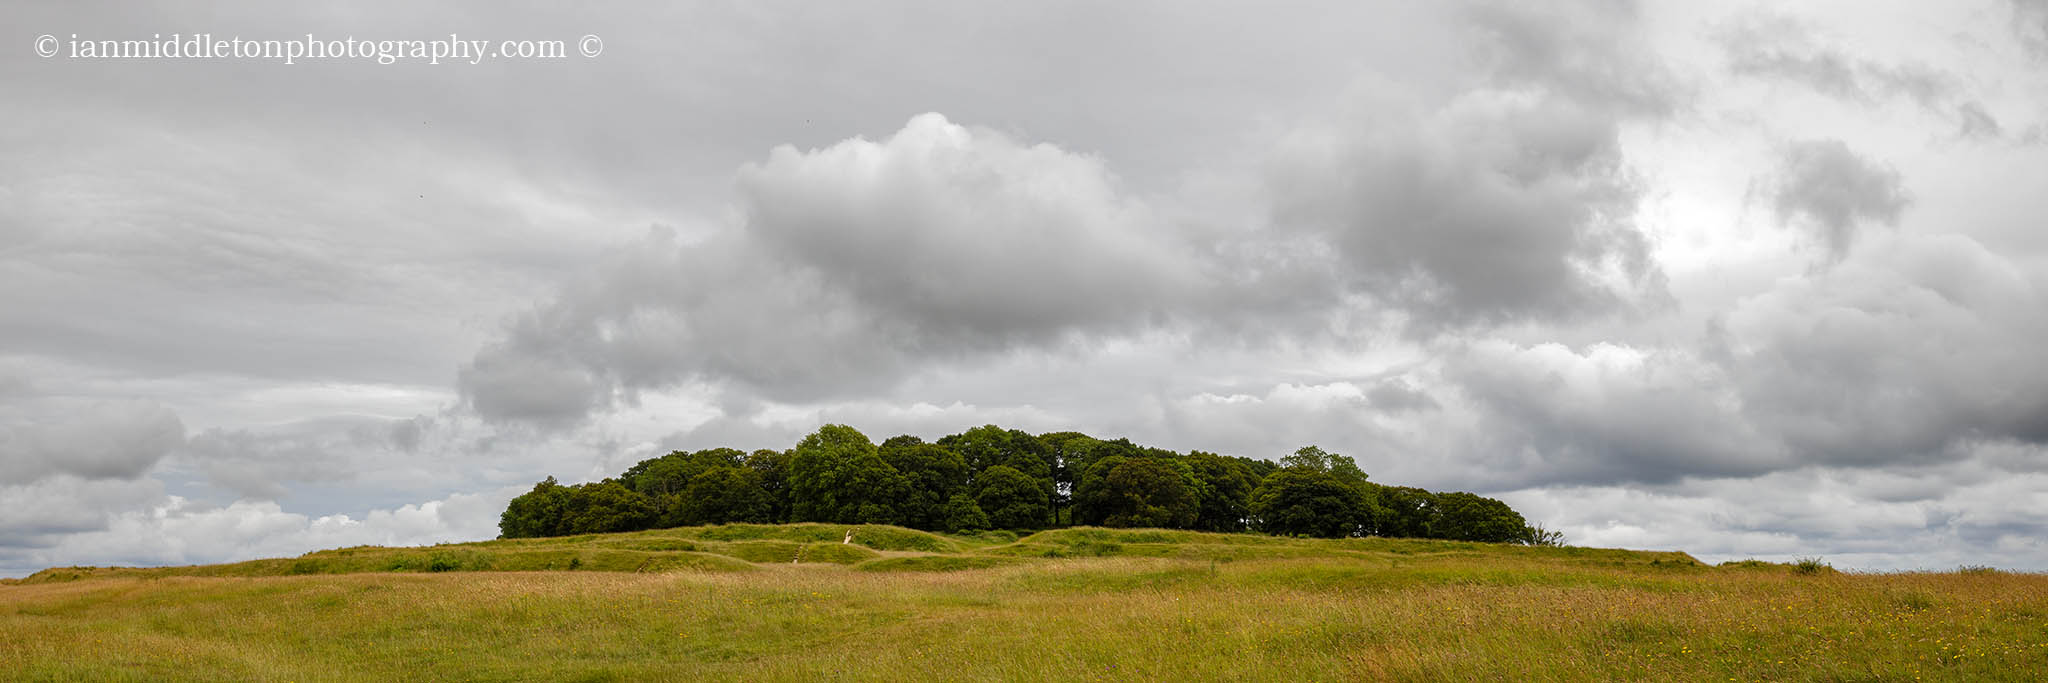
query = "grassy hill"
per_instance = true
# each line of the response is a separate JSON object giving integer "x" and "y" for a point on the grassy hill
{"x": 794, "y": 602}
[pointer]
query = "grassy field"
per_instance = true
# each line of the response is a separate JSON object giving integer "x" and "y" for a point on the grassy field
{"x": 794, "y": 603}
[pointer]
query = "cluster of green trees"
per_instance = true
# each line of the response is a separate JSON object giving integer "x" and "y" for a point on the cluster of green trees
{"x": 994, "y": 478}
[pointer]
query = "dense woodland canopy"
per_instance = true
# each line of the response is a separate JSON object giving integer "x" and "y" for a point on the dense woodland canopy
{"x": 994, "y": 478}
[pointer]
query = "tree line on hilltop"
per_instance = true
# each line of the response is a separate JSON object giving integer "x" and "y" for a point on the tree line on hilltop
{"x": 994, "y": 478}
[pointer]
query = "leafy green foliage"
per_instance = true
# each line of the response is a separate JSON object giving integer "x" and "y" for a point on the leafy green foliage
{"x": 837, "y": 475}
{"x": 994, "y": 478}
{"x": 1147, "y": 492}
{"x": 988, "y": 446}
{"x": 1409, "y": 510}
{"x": 604, "y": 507}
{"x": 723, "y": 494}
{"x": 551, "y": 509}
{"x": 1463, "y": 516}
{"x": 1011, "y": 499}
{"x": 1094, "y": 501}
{"x": 963, "y": 514}
{"x": 534, "y": 513}
{"x": 1302, "y": 501}
{"x": 933, "y": 473}
{"x": 669, "y": 474}
{"x": 772, "y": 468}
{"x": 1535, "y": 534}
{"x": 1228, "y": 484}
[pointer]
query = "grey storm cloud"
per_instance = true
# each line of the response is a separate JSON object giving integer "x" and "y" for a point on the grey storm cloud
{"x": 89, "y": 440}
{"x": 1949, "y": 514}
{"x": 1508, "y": 202}
{"x": 1922, "y": 347}
{"x": 258, "y": 465}
{"x": 1775, "y": 47}
{"x": 40, "y": 513}
{"x": 386, "y": 460}
{"x": 1828, "y": 190}
{"x": 1396, "y": 396}
{"x": 1607, "y": 414}
{"x": 1589, "y": 52}
{"x": 849, "y": 263}
{"x": 965, "y": 238}
{"x": 142, "y": 526}
{"x": 2030, "y": 25}
{"x": 1913, "y": 353}
{"x": 1343, "y": 416}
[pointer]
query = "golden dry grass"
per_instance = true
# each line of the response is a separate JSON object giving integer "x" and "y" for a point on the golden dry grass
{"x": 1455, "y": 615}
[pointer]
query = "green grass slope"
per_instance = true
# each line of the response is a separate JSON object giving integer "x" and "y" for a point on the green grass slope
{"x": 732, "y": 547}
{"x": 745, "y": 547}
{"x": 793, "y": 602}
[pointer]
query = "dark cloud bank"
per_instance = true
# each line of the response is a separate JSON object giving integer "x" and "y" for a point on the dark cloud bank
{"x": 855, "y": 264}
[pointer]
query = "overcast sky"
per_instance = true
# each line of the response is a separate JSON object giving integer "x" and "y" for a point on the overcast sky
{"x": 1744, "y": 282}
